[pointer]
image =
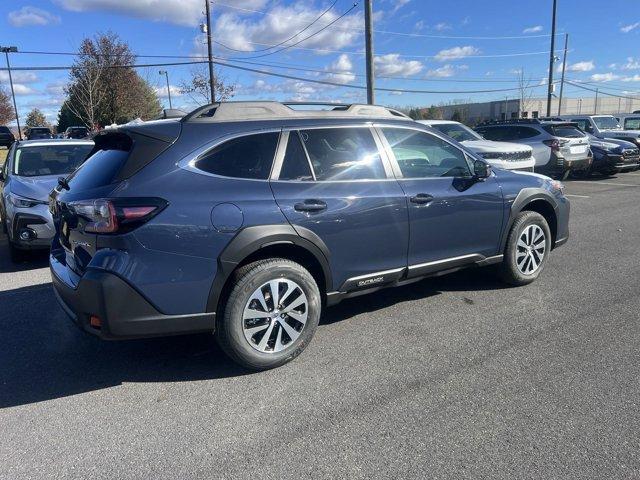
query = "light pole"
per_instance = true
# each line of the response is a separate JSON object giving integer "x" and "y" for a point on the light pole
{"x": 551, "y": 58}
{"x": 579, "y": 106}
{"x": 166, "y": 75}
{"x": 6, "y": 51}
{"x": 210, "y": 52}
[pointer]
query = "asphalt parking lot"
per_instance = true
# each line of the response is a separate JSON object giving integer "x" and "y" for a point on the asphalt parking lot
{"x": 455, "y": 377}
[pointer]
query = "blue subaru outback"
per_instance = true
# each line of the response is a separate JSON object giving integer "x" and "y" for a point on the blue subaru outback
{"x": 246, "y": 219}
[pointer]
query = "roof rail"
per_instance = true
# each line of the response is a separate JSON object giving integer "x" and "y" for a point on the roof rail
{"x": 511, "y": 121}
{"x": 266, "y": 110}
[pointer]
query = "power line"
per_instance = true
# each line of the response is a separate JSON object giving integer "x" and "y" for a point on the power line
{"x": 388, "y": 32}
{"x": 599, "y": 90}
{"x": 279, "y": 75}
{"x": 284, "y": 41}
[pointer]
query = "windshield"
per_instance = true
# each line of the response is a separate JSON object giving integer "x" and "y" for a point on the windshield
{"x": 458, "y": 132}
{"x": 632, "y": 123}
{"x": 49, "y": 159}
{"x": 606, "y": 123}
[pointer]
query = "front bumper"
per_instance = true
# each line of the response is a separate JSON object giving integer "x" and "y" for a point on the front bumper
{"x": 123, "y": 311}
{"x": 614, "y": 162}
{"x": 36, "y": 221}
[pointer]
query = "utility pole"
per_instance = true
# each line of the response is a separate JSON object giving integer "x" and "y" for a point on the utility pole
{"x": 564, "y": 66}
{"x": 506, "y": 104}
{"x": 166, "y": 74}
{"x": 208, "y": 32}
{"x": 579, "y": 106}
{"x": 595, "y": 107}
{"x": 6, "y": 51}
{"x": 551, "y": 58}
{"x": 368, "y": 36}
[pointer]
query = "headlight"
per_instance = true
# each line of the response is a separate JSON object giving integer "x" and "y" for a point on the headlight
{"x": 557, "y": 186}
{"x": 23, "y": 202}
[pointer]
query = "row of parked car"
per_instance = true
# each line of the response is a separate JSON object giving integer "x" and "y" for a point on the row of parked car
{"x": 34, "y": 133}
{"x": 246, "y": 219}
{"x": 576, "y": 145}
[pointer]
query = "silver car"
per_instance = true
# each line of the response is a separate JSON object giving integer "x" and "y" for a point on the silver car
{"x": 30, "y": 172}
{"x": 558, "y": 147}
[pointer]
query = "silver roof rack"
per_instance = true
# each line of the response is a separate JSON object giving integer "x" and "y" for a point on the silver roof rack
{"x": 238, "y": 111}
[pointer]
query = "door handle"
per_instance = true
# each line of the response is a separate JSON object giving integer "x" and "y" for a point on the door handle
{"x": 310, "y": 206}
{"x": 421, "y": 198}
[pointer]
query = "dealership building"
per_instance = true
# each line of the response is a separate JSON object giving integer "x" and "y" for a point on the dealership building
{"x": 473, "y": 113}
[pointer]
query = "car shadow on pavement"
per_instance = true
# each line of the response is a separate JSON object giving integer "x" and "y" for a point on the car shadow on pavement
{"x": 43, "y": 356}
{"x": 30, "y": 260}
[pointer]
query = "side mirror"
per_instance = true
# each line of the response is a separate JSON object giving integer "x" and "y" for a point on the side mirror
{"x": 481, "y": 170}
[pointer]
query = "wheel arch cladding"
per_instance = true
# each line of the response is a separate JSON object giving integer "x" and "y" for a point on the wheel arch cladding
{"x": 265, "y": 241}
{"x": 536, "y": 200}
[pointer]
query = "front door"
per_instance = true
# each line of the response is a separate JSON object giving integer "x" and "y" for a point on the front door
{"x": 335, "y": 183}
{"x": 454, "y": 218}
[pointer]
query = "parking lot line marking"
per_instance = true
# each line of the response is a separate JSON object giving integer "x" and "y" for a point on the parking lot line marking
{"x": 607, "y": 183}
{"x": 577, "y": 196}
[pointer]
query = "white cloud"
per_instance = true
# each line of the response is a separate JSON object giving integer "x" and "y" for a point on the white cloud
{"x": 583, "y": 66}
{"x": 21, "y": 89}
{"x": 442, "y": 26}
{"x": 398, "y": 4}
{"x": 456, "y": 53}
{"x": 419, "y": 25}
{"x": 345, "y": 67}
{"x": 29, "y": 16}
{"x": 162, "y": 91}
{"x": 634, "y": 78}
{"x": 181, "y": 12}
{"x": 445, "y": 71}
{"x": 534, "y": 29}
{"x": 249, "y": 34}
{"x": 18, "y": 77}
{"x": 604, "y": 77}
{"x": 392, "y": 65}
{"x": 56, "y": 88}
{"x": 631, "y": 64}
{"x": 628, "y": 28}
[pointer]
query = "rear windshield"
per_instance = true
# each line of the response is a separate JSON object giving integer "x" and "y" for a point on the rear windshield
{"x": 566, "y": 131}
{"x": 40, "y": 130}
{"x": 99, "y": 170}
{"x": 4, "y": 130}
{"x": 49, "y": 159}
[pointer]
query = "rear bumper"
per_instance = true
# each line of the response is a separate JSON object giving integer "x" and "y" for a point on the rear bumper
{"x": 123, "y": 311}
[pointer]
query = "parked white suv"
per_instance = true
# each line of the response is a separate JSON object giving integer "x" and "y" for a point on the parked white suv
{"x": 604, "y": 126}
{"x": 510, "y": 156}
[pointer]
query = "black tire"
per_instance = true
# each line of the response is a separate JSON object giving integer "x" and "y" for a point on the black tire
{"x": 16, "y": 254}
{"x": 247, "y": 280}
{"x": 509, "y": 271}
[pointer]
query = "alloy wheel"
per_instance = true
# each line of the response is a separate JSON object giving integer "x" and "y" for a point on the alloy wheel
{"x": 275, "y": 315}
{"x": 530, "y": 249}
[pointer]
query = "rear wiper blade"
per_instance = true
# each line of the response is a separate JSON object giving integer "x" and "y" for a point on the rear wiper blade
{"x": 63, "y": 183}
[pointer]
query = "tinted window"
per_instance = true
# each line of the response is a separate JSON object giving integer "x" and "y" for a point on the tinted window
{"x": 582, "y": 123}
{"x": 632, "y": 123}
{"x": 343, "y": 153}
{"x": 99, "y": 169}
{"x": 421, "y": 155}
{"x": 250, "y": 156}
{"x": 524, "y": 132}
{"x": 295, "y": 165}
{"x": 49, "y": 160}
{"x": 566, "y": 131}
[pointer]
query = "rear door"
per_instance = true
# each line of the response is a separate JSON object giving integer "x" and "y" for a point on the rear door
{"x": 336, "y": 183}
{"x": 454, "y": 219}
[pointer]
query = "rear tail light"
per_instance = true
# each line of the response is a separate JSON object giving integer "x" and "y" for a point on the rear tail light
{"x": 554, "y": 144}
{"x": 118, "y": 215}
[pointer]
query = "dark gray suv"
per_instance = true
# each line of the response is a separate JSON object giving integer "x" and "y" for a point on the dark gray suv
{"x": 246, "y": 219}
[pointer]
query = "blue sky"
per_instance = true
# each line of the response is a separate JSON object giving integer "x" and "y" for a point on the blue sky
{"x": 420, "y": 45}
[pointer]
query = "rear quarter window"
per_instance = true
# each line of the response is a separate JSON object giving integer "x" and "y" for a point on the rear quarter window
{"x": 249, "y": 156}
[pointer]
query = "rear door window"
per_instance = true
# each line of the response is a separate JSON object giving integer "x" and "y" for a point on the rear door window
{"x": 295, "y": 165}
{"x": 249, "y": 156}
{"x": 343, "y": 154}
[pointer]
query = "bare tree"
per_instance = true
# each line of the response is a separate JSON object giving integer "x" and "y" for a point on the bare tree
{"x": 6, "y": 109}
{"x": 87, "y": 93}
{"x": 197, "y": 86}
{"x": 525, "y": 92}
